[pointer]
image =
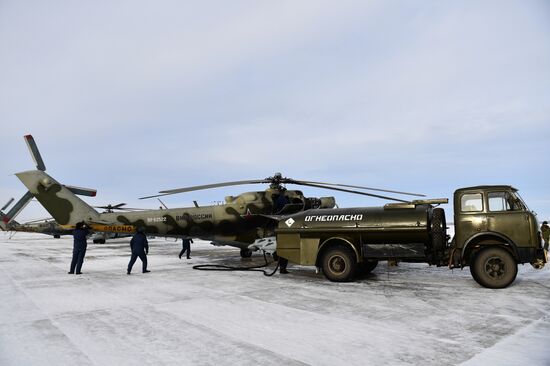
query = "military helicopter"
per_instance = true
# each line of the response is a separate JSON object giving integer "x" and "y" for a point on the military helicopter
{"x": 46, "y": 226}
{"x": 42, "y": 226}
{"x": 240, "y": 221}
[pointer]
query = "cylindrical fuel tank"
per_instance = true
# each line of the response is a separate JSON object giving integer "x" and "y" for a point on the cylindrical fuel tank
{"x": 374, "y": 224}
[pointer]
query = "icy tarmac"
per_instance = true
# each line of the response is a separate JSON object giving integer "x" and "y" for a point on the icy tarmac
{"x": 412, "y": 314}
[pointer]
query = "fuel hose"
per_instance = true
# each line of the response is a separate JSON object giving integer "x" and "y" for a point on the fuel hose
{"x": 222, "y": 267}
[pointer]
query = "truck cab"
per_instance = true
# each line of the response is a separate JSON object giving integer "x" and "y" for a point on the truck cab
{"x": 494, "y": 215}
{"x": 495, "y": 230}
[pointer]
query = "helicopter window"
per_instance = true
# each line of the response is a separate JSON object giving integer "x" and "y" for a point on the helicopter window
{"x": 471, "y": 202}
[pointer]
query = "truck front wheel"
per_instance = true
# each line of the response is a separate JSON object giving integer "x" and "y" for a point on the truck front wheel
{"x": 494, "y": 267}
{"x": 339, "y": 264}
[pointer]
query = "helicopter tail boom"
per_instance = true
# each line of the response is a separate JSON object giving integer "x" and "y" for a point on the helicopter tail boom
{"x": 64, "y": 206}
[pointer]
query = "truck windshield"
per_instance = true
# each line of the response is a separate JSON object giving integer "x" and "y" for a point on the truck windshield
{"x": 520, "y": 201}
{"x": 505, "y": 201}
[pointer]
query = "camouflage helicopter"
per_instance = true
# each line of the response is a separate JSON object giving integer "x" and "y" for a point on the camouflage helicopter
{"x": 42, "y": 226}
{"x": 240, "y": 222}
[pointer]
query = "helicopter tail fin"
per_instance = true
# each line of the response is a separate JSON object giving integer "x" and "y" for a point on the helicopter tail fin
{"x": 64, "y": 206}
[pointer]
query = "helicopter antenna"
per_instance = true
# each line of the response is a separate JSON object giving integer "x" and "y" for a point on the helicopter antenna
{"x": 162, "y": 203}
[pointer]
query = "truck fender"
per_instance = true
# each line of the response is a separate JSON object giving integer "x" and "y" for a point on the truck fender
{"x": 325, "y": 244}
{"x": 499, "y": 239}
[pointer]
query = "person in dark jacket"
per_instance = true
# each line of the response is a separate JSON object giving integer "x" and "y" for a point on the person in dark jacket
{"x": 140, "y": 248}
{"x": 283, "y": 262}
{"x": 545, "y": 230}
{"x": 186, "y": 247}
{"x": 79, "y": 247}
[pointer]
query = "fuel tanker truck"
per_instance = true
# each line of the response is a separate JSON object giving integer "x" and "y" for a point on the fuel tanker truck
{"x": 494, "y": 232}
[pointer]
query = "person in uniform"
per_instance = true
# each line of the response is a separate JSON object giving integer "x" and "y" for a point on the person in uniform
{"x": 140, "y": 248}
{"x": 280, "y": 202}
{"x": 186, "y": 247}
{"x": 79, "y": 247}
{"x": 545, "y": 231}
{"x": 283, "y": 262}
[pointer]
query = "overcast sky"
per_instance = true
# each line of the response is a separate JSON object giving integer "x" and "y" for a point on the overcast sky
{"x": 131, "y": 97}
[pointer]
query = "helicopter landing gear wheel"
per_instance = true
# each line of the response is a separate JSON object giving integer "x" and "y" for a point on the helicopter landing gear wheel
{"x": 246, "y": 253}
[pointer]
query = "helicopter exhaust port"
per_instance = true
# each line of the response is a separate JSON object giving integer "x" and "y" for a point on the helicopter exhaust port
{"x": 321, "y": 202}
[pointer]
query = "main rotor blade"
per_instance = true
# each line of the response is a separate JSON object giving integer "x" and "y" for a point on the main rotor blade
{"x": 359, "y": 187}
{"x": 206, "y": 186}
{"x": 35, "y": 153}
{"x": 351, "y": 191}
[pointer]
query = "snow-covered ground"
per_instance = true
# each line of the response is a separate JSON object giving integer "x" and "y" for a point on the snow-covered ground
{"x": 406, "y": 315}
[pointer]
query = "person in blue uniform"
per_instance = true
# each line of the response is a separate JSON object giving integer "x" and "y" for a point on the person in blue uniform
{"x": 79, "y": 247}
{"x": 186, "y": 247}
{"x": 140, "y": 248}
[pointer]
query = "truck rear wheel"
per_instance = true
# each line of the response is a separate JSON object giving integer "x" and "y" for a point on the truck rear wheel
{"x": 494, "y": 267}
{"x": 339, "y": 264}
